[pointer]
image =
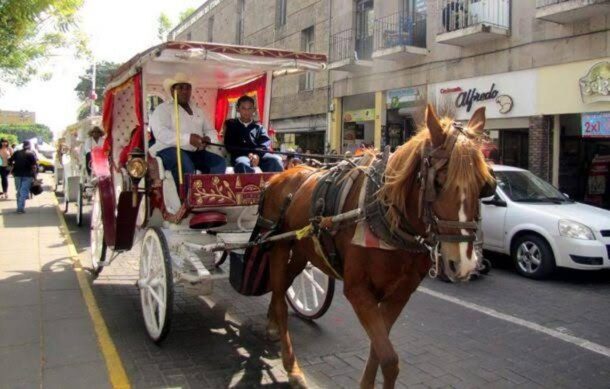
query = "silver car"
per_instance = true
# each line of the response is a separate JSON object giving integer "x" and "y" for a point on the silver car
{"x": 541, "y": 228}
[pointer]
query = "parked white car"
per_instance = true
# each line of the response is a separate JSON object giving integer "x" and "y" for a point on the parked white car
{"x": 541, "y": 228}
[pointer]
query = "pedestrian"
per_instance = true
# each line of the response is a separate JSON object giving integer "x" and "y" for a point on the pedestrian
{"x": 23, "y": 163}
{"x": 5, "y": 154}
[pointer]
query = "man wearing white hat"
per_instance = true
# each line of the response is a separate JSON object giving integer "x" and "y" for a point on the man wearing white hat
{"x": 196, "y": 132}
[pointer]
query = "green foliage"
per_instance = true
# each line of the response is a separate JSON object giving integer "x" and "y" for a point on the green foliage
{"x": 164, "y": 25}
{"x": 104, "y": 71}
{"x": 185, "y": 14}
{"x": 11, "y": 138}
{"x": 27, "y": 131}
{"x": 30, "y": 32}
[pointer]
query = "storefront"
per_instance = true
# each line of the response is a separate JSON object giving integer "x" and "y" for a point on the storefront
{"x": 510, "y": 101}
{"x": 404, "y": 110}
{"x": 358, "y": 122}
{"x": 577, "y": 96}
{"x": 303, "y": 133}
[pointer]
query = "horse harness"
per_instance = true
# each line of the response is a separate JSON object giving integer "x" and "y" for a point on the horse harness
{"x": 332, "y": 188}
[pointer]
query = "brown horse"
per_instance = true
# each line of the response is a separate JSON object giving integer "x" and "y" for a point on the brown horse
{"x": 378, "y": 283}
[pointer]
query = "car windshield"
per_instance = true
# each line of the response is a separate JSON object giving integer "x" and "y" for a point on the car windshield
{"x": 524, "y": 186}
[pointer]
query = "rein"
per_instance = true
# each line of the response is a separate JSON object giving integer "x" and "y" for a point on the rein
{"x": 287, "y": 153}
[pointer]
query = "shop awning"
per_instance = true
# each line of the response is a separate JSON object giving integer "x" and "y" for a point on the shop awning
{"x": 300, "y": 125}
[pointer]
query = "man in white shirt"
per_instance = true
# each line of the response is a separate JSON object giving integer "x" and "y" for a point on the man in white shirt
{"x": 96, "y": 139}
{"x": 196, "y": 132}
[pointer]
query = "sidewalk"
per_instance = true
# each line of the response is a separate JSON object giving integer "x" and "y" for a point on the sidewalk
{"x": 47, "y": 337}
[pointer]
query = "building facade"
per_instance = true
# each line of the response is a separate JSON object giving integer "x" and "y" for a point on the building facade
{"x": 299, "y": 106}
{"x": 541, "y": 68}
{"x": 17, "y": 117}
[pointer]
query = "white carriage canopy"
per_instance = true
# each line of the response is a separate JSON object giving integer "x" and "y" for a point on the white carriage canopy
{"x": 219, "y": 73}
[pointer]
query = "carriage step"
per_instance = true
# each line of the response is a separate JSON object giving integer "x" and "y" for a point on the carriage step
{"x": 208, "y": 219}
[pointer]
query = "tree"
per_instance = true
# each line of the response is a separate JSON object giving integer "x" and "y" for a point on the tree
{"x": 103, "y": 73}
{"x": 185, "y": 14}
{"x": 31, "y": 31}
{"x": 164, "y": 25}
{"x": 10, "y": 138}
{"x": 27, "y": 131}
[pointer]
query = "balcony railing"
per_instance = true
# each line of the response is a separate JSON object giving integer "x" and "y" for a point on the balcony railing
{"x": 348, "y": 45}
{"x": 459, "y": 14}
{"x": 400, "y": 29}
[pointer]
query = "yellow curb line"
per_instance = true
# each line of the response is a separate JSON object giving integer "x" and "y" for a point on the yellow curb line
{"x": 114, "y": 365}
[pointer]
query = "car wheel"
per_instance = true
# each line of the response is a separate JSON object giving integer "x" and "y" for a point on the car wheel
{"x": 533, "y": 257}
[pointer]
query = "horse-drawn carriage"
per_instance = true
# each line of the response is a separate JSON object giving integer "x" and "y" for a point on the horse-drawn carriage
{"x": 71, "y": 165}
{"x": 136, "y": 199}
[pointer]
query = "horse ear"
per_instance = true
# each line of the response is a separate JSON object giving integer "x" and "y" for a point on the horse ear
{"x": 434, "y": 127}
{"x": 476, "y": 125}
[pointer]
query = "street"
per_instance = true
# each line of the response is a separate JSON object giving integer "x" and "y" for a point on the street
{"x": 499, "y": 331}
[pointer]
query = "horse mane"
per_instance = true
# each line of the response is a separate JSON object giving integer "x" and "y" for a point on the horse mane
{"x": 467, "y": 169}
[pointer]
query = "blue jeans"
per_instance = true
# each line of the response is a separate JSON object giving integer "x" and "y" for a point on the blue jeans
{"x": 204, "y": 161}
{"x": 22, "y": 186}
{"x": 268, "y": 163}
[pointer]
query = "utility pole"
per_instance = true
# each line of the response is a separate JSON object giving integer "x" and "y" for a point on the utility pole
{"x": 93, "y": 95}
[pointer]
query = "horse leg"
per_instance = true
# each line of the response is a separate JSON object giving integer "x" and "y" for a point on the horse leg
{"x": 295, "y": 267}
{"x": 390, "y": 310}
{"x": 372, "y": 319}
{"x": 279, "y": 312}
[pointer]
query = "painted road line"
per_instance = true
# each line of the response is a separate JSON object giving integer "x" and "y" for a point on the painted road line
{"x": 114, "y": 365}
{"x": 580, "y": 342}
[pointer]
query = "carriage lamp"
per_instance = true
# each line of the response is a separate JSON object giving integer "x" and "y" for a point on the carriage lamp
{"x": 136, "y": 166}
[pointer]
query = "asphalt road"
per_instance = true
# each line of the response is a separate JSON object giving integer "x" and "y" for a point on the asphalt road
{"x": 499, "y": 331}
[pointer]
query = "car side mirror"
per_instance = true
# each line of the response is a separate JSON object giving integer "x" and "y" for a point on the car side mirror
{"x": 495, "y": 200}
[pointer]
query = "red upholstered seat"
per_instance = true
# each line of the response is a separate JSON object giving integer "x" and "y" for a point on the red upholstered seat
{"x": 208, "y": 219}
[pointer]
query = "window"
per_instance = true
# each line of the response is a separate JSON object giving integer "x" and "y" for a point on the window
{"x": 239, "y": 33}
{"x": 280, "y": 12}
{"x": 211, "y": 29}
{"x": 306, "y": 81}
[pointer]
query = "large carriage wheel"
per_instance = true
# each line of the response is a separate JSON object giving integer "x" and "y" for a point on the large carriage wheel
{"x": 79, "y": 206}
{"x": 98, "y": 246}
{"x": 156, "y": 284}
{"x": 311, "y": 293}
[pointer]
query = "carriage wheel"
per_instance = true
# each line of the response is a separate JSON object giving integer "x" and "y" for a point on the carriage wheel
{"x": 79, "y": 206}
{"x": 156, "y": 284}
{"x": 98, "y": 246}
{"x": 311, "y": 293}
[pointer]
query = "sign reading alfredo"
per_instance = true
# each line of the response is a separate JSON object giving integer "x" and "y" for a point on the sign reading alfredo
{"x": 595, "y": 86}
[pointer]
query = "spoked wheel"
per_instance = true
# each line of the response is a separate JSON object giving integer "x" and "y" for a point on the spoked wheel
{"x": 311, "y": 293}
{"x": 156, "y": 284}
{"x": 98, "y": 246}
{"x": 79, "y": 206}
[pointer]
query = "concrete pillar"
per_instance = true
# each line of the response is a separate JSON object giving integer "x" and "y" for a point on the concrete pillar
{"x": 539, "y": 147}
{"x": 380, "y": 117}
{"x": 336, "y": 123}
{"x": 555, "y": 153}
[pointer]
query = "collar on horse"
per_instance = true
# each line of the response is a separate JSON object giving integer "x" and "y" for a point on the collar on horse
{"x": 405, "y": 237}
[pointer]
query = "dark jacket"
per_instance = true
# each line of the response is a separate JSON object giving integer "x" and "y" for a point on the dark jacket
{"x": 23, "y": 163}
{"x": 237, "y": 136}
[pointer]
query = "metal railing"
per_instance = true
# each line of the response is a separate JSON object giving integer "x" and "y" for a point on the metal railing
{"x": 400, "y": 29}
{"x": 458, "y": 14}
{"x": 544, "y": 3}
{"x": 347, "y": 44}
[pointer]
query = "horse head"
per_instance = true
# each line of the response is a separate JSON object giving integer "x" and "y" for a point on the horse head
{"x": 435, "y": 181}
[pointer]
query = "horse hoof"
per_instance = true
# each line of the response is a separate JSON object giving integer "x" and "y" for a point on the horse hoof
{"x": 297, "y": 381}
{"x": 273, "y": 333}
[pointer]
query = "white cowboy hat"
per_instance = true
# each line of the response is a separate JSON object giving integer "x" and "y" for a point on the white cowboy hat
{"x": 179, "y": 78}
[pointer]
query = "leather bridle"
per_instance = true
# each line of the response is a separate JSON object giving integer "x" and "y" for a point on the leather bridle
{"x": 433, "y": 161}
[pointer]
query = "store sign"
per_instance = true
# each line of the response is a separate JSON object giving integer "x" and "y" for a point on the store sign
{"x": 595, "y": 86}
{"x": 361, "y": 115}
{"x": 405, "y": 97}
{"x": 596, "y": 125}
{"x": 503, "y": 95}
